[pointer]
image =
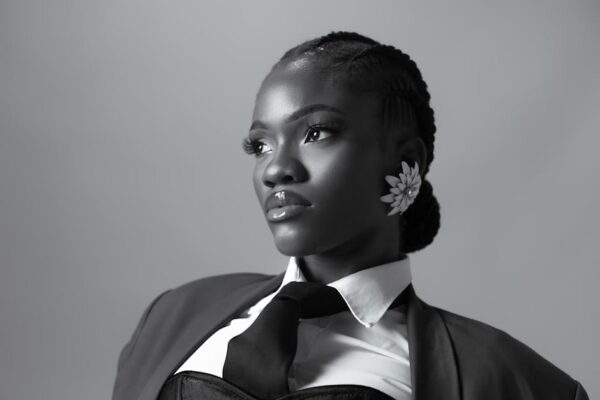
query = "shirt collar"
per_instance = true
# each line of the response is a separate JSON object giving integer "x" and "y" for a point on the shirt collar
{"x": 369, "y": 292}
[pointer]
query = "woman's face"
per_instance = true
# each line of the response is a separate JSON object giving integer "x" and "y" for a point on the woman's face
{"x": 319, "y": 141}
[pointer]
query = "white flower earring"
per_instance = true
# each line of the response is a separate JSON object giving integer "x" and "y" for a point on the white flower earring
{"x": 404, "y": 188}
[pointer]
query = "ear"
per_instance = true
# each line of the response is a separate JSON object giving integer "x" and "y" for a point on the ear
{"x": 411, "y": 150}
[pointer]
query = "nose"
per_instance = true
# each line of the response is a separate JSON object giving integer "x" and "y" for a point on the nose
{"x": 284, "y": 168}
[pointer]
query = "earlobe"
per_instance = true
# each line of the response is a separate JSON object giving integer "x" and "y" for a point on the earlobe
{"x": 412, "y": 150}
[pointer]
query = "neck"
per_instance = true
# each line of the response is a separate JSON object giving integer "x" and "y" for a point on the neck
{"x": 361, "y": 252}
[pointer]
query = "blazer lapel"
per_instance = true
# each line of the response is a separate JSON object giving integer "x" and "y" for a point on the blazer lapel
{"x": 202, "y": 326}
{"x": 433, "y": 365}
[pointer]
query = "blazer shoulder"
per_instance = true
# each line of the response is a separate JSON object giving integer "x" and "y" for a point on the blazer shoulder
{"x": 167, "y": 317}
{"x": 233, "y": 280}
{"x": 215, "y": 286}
{"x": 486, "y": 351}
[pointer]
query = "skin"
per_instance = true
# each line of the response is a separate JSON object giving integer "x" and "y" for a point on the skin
{"x": 340, "y": 172}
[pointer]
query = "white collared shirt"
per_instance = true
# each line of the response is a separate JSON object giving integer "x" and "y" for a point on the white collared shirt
{"x": 367, "y": 345}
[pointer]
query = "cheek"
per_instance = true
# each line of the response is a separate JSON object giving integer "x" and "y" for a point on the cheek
{"x": 259, "y": 188}
{"x": 349, "y": 178}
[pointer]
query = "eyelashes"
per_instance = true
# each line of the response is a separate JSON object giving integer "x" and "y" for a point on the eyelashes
{"x": 254, "y": 146}
{"x": 251, "y": 146}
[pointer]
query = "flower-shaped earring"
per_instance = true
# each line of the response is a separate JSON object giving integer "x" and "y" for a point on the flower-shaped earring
{"x": 404, "y": 188}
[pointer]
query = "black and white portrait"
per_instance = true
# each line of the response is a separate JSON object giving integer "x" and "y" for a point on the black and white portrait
{"x": 298, "y": 200}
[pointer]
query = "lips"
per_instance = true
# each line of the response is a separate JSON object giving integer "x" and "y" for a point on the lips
{"x": 283, "y": 198}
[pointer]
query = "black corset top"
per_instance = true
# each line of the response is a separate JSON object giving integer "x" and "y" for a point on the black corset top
{"x": 191, "y": 385}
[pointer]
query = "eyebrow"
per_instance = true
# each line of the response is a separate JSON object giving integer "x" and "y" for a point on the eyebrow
{"x": 299, "y": 114}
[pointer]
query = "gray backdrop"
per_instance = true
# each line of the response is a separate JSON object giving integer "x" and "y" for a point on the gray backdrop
{"x": 121, "y": 171}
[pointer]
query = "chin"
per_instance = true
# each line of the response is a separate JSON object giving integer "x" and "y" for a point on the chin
{"x": 290, "y": 242}
{"x": 293, "y": 247}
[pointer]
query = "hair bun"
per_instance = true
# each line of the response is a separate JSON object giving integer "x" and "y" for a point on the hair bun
{"x": 422, "y": 220}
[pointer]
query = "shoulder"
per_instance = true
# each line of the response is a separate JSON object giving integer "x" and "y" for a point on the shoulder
{"x": 233, "y": 281}
{"x": 176, "y": 318}
{"x": 213, "y": 287}
{"x": 193, "y": 297}
{"x": 491, "y": 343}
{"x": 174, "y": 308}
{"x": 499, "y": 358}
{"x": 183, "y": 302}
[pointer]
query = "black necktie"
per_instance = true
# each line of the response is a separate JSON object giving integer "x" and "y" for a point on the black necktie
{"x": 258, "y": 360}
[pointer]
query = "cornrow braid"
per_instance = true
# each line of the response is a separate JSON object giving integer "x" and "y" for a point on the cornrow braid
{"x": 404, "y": 84}
{"x": 312, "y": 46}
{"x": 367, "y": 65}
{"x": 344, "y": 36}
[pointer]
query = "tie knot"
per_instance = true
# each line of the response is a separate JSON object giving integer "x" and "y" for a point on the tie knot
{"x": 312, "y": 299}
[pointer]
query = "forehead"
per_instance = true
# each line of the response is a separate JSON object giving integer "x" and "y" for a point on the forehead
{"x": 296, "y": 85}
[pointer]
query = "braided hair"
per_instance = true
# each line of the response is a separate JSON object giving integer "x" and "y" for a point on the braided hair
{"x": 367, "y": 65}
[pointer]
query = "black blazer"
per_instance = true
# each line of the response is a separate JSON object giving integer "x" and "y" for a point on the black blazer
{"x": 451, "y": 357}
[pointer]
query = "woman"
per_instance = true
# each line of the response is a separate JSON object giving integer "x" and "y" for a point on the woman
{"x": 343, "y": 137}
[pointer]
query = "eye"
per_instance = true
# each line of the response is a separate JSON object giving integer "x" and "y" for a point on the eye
{"x": 316, "y": 133}
{"x": 261, "y": 148}
{"x": 254, "y": 146}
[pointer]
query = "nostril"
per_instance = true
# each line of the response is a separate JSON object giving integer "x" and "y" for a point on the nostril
{"x": 287, "y": 179}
